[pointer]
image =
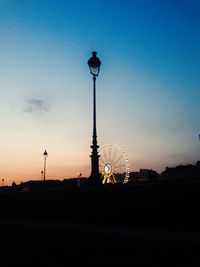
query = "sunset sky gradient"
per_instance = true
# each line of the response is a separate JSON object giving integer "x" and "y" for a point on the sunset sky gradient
{"x": 148, "y": 90}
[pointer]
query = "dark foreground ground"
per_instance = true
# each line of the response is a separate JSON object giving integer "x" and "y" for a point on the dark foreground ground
{"x": 155, "y": 224}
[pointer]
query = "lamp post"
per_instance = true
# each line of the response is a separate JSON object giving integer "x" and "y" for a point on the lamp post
{"x": 94, "y": 64}
{"x": 79, "y": 176}
{"x": 42, "y": 174}
{"x": 45, "y": 158}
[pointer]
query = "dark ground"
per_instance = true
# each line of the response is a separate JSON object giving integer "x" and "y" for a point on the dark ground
{"x": 152, "y": 224}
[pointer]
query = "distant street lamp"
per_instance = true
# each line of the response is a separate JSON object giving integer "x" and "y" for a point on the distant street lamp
{"x": 79, "y": 176}
{"x": 42, "y": 174}
{"x": 45, "y": 158}
{"x": 94, "y": 64}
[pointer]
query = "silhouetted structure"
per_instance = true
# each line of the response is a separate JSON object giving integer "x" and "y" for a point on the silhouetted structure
{"x": 94, "y": 65}
{"x": 42, "y": 174}
{"x": 144, "y": 175}
{"x": 14, "y": 184}
{"x": 45, "y": 158}
{"x": 188, "y": 171}
{"x": 38, "y": 185}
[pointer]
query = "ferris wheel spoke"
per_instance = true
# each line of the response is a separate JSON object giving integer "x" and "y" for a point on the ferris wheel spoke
{"x": 117, "y": 160}
{"x": 120, "y": 166}
{"x": 114, "y": 155}
{"x": 101, "y": 159}
{"x": 110, "y": 152}
{"x": 105, "y": 156}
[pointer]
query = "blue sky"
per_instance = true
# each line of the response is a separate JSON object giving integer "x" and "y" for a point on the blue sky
{"x": 147, "y": 91}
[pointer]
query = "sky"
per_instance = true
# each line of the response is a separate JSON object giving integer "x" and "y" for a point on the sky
{"x": 147, "y": 90}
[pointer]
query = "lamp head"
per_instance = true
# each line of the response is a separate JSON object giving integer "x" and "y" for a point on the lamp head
{"x": 45, "y": 154}
{"x": 94, "y": 64}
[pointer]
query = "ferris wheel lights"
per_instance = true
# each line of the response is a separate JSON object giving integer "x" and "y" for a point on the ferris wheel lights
{"x": 115, "y": 166}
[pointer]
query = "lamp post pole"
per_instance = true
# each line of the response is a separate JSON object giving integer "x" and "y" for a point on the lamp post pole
{"x": 94, "y": 65}
{"x": 79, "y": 176}
{"x": 45, "y": 158}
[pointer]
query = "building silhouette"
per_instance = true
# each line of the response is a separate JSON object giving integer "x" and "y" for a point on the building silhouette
{"x": 189, "y": 171}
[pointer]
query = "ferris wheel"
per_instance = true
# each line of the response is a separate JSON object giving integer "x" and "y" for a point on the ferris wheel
{"x": 114, "y": 166}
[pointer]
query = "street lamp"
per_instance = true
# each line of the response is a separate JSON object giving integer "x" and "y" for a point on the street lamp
{"x": 94, "y": 64}
{"x": 79, "y": 176}
{"x": 45, "y": 158}
{"x": 42, "y": 174}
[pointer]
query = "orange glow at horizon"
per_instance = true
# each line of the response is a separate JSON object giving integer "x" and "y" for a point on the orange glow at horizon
{"x": 54, "y": 171}
{"x": 51, "y": 174}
